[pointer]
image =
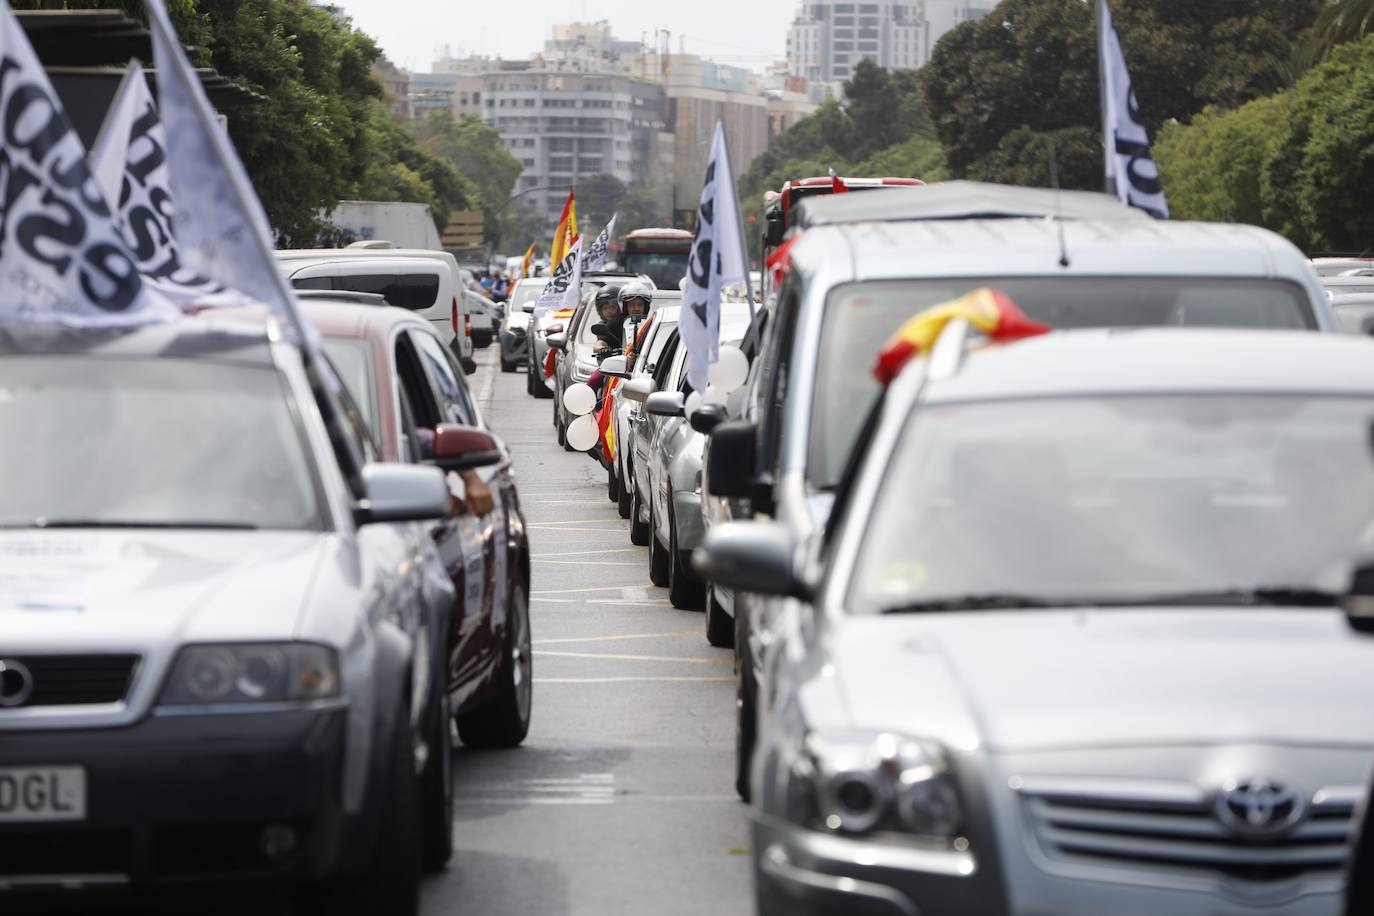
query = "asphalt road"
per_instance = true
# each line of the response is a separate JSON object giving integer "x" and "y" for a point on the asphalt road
{"x": 621, "y": 799}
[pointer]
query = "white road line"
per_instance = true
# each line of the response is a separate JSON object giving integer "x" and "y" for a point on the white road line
{"x": 571, "y": 591}
{"x": 598, "y": 562}
{"x": 574, "y": 530}
{"x": 572, "y": 639}
{"x": 585, "y": 553}
{"x": 628, "y": 680}
{"x": 637, "y": 658}
{"x": 576, "y": 521}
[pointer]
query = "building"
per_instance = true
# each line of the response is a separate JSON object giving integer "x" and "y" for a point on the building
{"x": 395, "y": 86}
{"x": 828, "y": 39}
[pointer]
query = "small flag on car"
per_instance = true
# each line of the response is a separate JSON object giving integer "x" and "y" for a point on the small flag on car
{"x": 990, "y": 311}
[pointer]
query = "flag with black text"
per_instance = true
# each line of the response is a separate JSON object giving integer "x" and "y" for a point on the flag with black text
{"x": 564, "y": 286}
{"x": 595, "y": 258}
{"x": 1131, "y": 171}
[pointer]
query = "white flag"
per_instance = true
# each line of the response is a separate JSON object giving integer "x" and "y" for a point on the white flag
{"x": 565, "y": 284}
{"x": 717, "y": 259}
{"x": 595, "y": 258}
{"x": 221, "y": 227}
{"x": 61, "y": 257}
{"x": 129, "y": 160}
{"x": 1130, "y": 168}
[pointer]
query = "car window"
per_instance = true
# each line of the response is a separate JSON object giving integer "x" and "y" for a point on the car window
{"x": 449, "y": 391}
{"x": 410, "y": 374}
{"x": 663, "y": 371}
{"x": 352, "y": 361}
{"x": 412, "y": 291}
{"x": 659, "y": 335}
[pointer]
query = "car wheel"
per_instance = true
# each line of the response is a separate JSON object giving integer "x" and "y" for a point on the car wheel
{"x": 436, "y": 781}
{"x": 685, "y": 591}
{"x": 625, "y": 504}
{"x": 537, "y": 386}
{"x": 745, "y": 711}
{"x": 720, "y": 628}
{"x": 639, "y": 529}
{"x": 659, "y": 563}
{"x": 390, "y": 882}
{"x": 507, "y": 365}
{"x": 504, "y": 721}
{"x": 612, "y": 485}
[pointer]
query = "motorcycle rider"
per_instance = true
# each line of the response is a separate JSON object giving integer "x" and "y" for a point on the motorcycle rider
{"x": 636, "y": 299}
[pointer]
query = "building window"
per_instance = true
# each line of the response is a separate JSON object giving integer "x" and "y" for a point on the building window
{"x": 868, "y": 46}
{"x": 841, "y": 21}
{"x": 844, "y": 8}
{"x": 868, "y": 7}
{"x": 844, "y": 46}
{"x": 869, "y": 33}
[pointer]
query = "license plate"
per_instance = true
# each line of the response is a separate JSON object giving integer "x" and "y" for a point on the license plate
{"x": 35, "y": 794}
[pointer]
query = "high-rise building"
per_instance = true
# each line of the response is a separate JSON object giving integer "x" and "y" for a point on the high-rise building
{"x": 828, "y": 39}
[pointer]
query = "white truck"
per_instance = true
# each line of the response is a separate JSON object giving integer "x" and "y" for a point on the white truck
{"x": 405, "y": 224}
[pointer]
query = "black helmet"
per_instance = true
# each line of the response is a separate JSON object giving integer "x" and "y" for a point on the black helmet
{"x": 608, "y": 293}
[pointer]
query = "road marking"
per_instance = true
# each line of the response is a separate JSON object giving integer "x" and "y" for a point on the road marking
{"x": 570, "y": 591}
{"x": 574, "y": 530}
{"x": 597, "y": 563}
{"x": 638, "y": 658}
{"x": 585, "y": 553}
{"x": 628, "y": 680}
{"x": 550, "y": 642}
{"x": 575, "y": 521}
{"x": 488, "y": 388}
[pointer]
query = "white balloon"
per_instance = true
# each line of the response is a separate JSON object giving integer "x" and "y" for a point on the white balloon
{"x": 690, "y": 405}
{"x": 713, "y": 395}
{"x": 731, "y": 370}
{"x": 582, "y": 433}
{"x": 579, "y": 399}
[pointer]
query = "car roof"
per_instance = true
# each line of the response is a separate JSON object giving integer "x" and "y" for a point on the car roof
{"x": 315, "y": 254}
{"x": 240, "y": 335}
{"x": 961, "y": 200}
{"x": 1161, "y": 360}
{"x": 402, "y": 263}
{"x": 360, "y": 322}
{"x": 1032, "y": 247}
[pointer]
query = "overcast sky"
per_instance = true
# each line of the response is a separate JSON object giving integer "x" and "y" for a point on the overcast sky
{"x": 748, "y": 33}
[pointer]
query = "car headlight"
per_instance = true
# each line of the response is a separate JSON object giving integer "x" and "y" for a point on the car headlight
{"x": 861, "y": 783}
{"x": 252, "y": 673}
{"x": 582, "y": 371}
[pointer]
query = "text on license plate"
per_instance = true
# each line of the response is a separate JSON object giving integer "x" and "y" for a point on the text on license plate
{"x": 50, "y": 793}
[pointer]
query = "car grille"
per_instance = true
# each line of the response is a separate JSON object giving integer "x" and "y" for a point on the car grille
{"x": 71, "y": 680}
{"x": 1180, "y": 832}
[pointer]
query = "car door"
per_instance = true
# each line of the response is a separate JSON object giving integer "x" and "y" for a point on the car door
{"x": 660, "y": 435}
{"x": 642, "y": 420}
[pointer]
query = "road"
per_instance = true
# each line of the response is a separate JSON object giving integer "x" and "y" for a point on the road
{"x": 621, "y": 799}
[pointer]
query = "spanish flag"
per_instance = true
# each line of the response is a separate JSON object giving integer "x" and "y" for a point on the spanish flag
{"x": 565, "y": 236}
{"x": 988, "y": 310}
{"x": 525, "y": 265}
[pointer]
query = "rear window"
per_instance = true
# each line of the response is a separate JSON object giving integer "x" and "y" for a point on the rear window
{"x": 861, "y": 317}
{"x": 414, "y": 292}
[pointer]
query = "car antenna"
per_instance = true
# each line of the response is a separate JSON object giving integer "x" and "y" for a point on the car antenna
{"x": 1058, "y": 218}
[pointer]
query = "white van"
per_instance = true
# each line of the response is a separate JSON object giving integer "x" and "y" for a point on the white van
{"x": 417, "y": 279}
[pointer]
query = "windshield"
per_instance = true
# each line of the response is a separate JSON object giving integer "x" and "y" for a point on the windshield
{"x": 1120, "y": 498}
{"x": 528, "y": 292}
{"x": 666, "y": 269}
{"x": 861, "y": 317}
{"x": 155, "y": 442}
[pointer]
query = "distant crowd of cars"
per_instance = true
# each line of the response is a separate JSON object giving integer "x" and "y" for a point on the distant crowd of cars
{"x": 1070, "y": 625}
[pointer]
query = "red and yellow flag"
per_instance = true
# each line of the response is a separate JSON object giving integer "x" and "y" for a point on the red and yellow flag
{"x": 988, "y": 310}
{"x": 565, "y": 236}
{"x": 525, "y": 264}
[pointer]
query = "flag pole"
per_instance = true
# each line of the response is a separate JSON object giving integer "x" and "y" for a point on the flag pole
{"x": 1107, "y": 176}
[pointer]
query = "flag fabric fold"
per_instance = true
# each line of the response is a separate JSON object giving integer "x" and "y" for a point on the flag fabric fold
{"x": 62, "y": 258}
{"x": 1131, "y": 172}
{"x": 565, "y": 284}
{"x": 526, "y": 264}
{"x": 565, "y": 235}
{"x": 595, "y": 258}
{"x": 990, "y": 311}
{"x": 718, "y": 259}
{"x": 221, "y": 226}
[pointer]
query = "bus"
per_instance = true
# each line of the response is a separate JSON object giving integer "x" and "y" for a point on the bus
{"x": 660, "y": 254}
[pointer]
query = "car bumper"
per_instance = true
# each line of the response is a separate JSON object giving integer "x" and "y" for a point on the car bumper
{"x": 691, "y": 530}
{"x": 185, "y": 799}
{"x": 514, "y": 346}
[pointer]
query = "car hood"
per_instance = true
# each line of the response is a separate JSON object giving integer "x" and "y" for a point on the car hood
{"x": 1035, "y": 680}
{"x": 85, "y": 587}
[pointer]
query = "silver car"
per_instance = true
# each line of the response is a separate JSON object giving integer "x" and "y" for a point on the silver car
{"x": 217, "y": 662}
{"x": 1074, "y": 640}
{"x": 628, "y": 411}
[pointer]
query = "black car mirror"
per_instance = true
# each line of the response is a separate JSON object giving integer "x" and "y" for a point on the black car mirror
{"x": 1358, "y": 601}
{"x": 707, "y": 417}
{"x": 731, "y": 457}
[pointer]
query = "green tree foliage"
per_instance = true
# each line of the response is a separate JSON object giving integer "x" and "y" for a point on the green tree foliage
{"x": 474, "y": 148}
{"x": 1297, "y": 162}
{"x": 996, "y": 87}
{"x": 598, "y": 197}
{"x": 1342, "y": 21}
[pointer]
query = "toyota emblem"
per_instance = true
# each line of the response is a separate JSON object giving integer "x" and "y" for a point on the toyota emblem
{"x": 16, "y": 683}
{"x": 1259, "y": 807}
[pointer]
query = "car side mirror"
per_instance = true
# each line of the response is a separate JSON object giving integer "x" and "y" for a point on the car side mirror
{"x": 637, "y": 390}
{"x": 558, "y": 342}
{"x": 1358, "y": 601}
{"x": 527, "y": 307}
{"x": 707, "y": 417}
{"x": 401, "y": 493}
{"x": 731, "y": 457}
{"x": 758, "y": 557}
{"x": 776, "y": 228}
{"x": 460, "y": 448}
{"x": 599, "y": 330}
{"x": 664, "y": 404}
{"x": 615, "y": 367}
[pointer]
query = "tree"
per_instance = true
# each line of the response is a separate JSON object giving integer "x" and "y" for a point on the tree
{"x": 475, "y": 149}
{"x": 1030, "y": 67}
{"x": 598, "y": 198}
{"x": 1342, "y": 21}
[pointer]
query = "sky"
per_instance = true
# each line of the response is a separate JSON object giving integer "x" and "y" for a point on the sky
{"x": 747, "y": 33}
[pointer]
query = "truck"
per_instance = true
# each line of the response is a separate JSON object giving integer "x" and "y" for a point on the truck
{"x": 405, "y": 224}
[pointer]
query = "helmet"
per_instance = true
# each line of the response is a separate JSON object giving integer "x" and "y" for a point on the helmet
{"x": 608, "y": 293}
{"x": 636, "y": 289}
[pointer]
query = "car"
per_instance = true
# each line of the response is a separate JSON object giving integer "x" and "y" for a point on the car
{"x": 432, "y": 290}
{"x": 851, "y": 285}
{"x": 514, "y": 336}
{"x": 1348, "y": 285}
{"x": 1079, "y": 636}
{"x": 216, "y": 660}
{"x": 628, "y": 412}
{"x": 1335, "y": 267}
{"x": 1354, "y": 313}
{"x": 484, "y": 320}
{"x": 406, "y": 383}
{"x": 591, "y": 281}
{"x": 671, "y": 472}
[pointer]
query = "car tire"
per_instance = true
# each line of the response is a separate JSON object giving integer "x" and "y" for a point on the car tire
{"x": 746, "y": 712}
{"x": 639, "y": 530}
{"x": 507, "y": 365}
{"x": 504, "y": 720}
{"x": 720, "y": 628}
{"x": 537, "y": 386}
{"x": 659, "y": 562}
{"x": 686, "y": 592}
{"x": 625, "y": 504}
{"x": 436, "y": 781}
{"x": 390, "y": 882}
{"x": 612, "y": 485}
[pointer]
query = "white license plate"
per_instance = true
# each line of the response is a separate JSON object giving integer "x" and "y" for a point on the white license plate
{"x": 32, "y": 794}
